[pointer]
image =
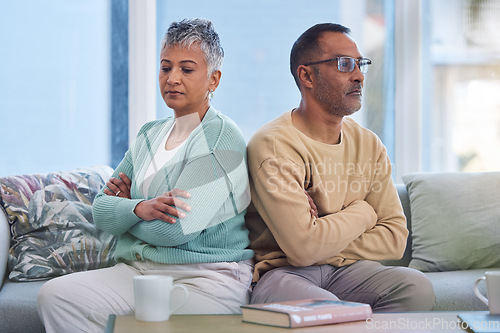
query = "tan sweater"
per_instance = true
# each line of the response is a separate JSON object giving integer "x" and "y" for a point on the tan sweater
{"x": 360, "y": 215}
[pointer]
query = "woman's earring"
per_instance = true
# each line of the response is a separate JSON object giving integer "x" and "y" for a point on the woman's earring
{"x": 210, "y": 94}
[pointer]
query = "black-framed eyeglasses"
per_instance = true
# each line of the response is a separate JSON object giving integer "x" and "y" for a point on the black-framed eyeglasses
{"x": 346, "y": 64}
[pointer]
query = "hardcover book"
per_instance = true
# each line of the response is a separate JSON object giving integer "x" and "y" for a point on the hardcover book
{"x": 307, "y": 312}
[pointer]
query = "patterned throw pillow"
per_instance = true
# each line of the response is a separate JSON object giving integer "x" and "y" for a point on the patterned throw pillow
{"x": 53, "y": 232}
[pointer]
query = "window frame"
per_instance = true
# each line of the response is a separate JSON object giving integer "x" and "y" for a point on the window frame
{"x": 142, "y": 65}
{"x": 408, "y": 115}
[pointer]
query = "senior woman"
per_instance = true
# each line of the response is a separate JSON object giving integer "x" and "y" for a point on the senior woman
{"x": 177, "y": 201}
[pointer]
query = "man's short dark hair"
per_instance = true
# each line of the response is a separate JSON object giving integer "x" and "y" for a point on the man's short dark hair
{"x": 307, "y": 45}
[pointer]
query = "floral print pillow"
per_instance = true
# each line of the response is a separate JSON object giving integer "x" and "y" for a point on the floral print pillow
{"x": 52, "y": 228}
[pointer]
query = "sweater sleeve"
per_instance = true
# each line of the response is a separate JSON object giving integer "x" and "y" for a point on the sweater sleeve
{"x": 387, "y": 239}
{"x": 115, "y": 214}
{"x": 278, "y": 195}
{"x": 217, "y": 180}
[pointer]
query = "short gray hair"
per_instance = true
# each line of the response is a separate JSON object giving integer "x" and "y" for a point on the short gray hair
{"x": 196, "y": 31}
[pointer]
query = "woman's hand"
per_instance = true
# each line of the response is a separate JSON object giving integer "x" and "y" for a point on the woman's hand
{"x": 119, "y": 187}
{"x": 157, "y": 208}
{"x": 314, "y": 209}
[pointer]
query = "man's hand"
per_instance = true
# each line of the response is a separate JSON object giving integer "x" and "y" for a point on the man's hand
{"x": 119, "y": 187}
{"x": 314, "y": 209}
{"x": 157, "y": 208}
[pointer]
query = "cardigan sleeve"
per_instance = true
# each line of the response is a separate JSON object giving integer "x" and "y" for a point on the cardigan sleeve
{"x": 115, "y": 214}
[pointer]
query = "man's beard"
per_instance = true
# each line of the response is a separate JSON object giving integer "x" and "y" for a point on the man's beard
{"x": 332, "y": 104}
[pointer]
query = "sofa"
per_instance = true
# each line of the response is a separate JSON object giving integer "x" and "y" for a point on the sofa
{"x": 454, "y": 224}
{"x": 47, "y": 230}
{"x": 451, "y": 255}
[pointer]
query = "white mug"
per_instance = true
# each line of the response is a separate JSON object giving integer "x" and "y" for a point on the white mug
{"x": 492, "y": 290}
{"x": 153, "y": 295}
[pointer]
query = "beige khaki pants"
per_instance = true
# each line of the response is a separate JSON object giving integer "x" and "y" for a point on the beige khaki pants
{"x": 82, "y": 302}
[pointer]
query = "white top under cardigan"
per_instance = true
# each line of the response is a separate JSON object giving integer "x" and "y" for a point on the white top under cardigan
{"x": 161, "y": 157}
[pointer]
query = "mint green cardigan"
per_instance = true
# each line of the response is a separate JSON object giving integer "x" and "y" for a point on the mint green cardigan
{"x": 211, "y": 165}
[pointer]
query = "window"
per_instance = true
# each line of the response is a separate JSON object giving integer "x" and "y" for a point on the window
{"x": 461, "y": 85}
{"x": 54, "y": 85}
{"x": 431, "y": 94}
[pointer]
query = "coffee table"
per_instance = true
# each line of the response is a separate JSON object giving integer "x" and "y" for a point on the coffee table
{"x": 380, "y": 322}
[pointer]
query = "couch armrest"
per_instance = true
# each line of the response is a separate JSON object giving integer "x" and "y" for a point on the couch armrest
{"x": 4, "y": 244}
